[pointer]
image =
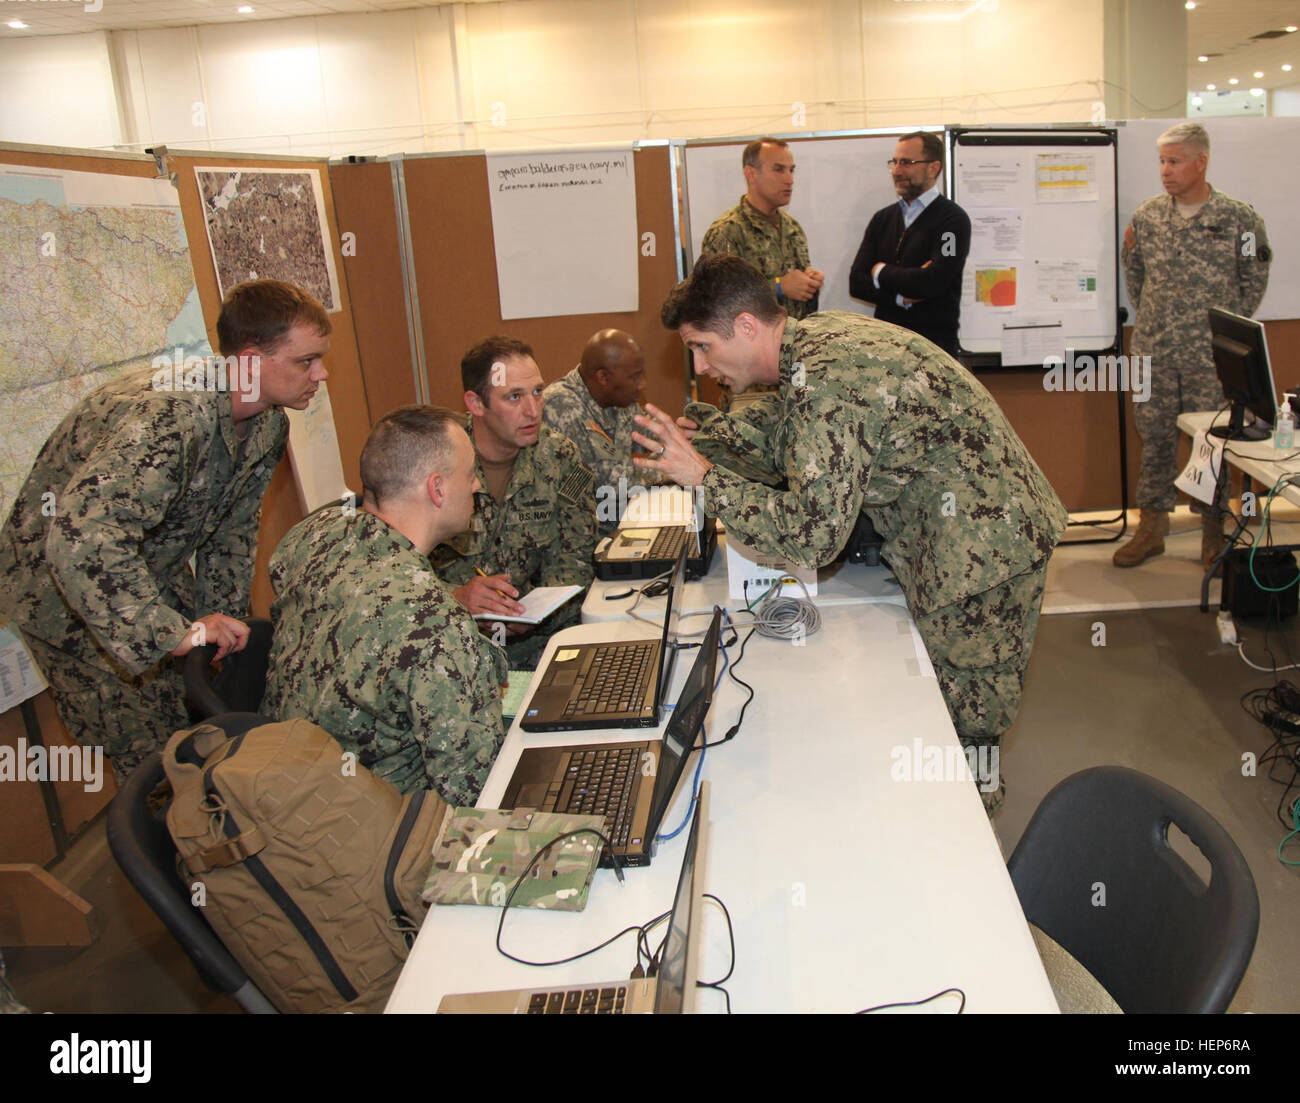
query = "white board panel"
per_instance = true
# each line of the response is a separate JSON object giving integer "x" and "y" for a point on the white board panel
{"x": 564, "y": 226}
{"x": 1043, "y": 244}
{"x": 839, "y": 183}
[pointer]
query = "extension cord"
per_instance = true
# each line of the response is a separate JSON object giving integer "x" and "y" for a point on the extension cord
{"x": 1227, "y": 628}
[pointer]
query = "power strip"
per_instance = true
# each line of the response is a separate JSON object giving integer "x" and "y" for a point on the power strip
{"x": 1227, "y": 628}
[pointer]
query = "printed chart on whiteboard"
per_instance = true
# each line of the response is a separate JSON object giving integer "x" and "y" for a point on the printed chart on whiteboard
{"x": 1041, "y": 276}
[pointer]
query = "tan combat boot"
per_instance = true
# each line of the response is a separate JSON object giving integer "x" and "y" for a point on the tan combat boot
{"x": 1211, "y": 539}
{"x": 1149, "y": 539}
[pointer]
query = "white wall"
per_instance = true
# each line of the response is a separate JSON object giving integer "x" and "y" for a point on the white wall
{"x": 58, "y": 90}
{"x": 529, "y": 73}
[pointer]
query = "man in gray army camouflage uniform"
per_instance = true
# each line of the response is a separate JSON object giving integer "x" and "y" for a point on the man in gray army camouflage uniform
{"x": 143, "y": 475}
{"x": 369, "y": 643}
{"x": 1184, "y": 252}
{"x": 535, "y": 518}
{"x": 875, "y": 419}
{"x": 593, "y": 406}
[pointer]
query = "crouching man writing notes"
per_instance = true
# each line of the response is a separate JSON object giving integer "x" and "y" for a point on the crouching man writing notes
{"x": 870, "y": 418}
{"x": 369, "y": 643}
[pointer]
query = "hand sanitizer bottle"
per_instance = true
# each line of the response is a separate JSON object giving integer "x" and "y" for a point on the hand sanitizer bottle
{"x": 1284, "y": 434}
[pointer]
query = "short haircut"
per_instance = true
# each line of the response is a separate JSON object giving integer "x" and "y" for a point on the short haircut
{"x": 1193, "y": 135}
{"x": 261, "y": 312}
{"x": 931, "y": 144}
{"x": 404, "y": 448}
{"x": 750, "y": 157}
{"x": 476, "y": 365}
{"x": 719, "y": 288}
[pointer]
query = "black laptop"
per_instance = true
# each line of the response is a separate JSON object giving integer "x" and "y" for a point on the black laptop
{"x": 630, "y": 784}
{"x": 609, "y": 685}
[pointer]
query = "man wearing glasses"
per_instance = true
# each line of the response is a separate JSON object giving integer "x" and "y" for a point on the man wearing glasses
{"x": 911, "y": 258}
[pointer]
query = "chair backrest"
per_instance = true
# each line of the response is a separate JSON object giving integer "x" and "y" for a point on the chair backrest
{"x": 141, "y": 844}
{"x": 1094, "y": 869}
{"x": 240, "y": 683}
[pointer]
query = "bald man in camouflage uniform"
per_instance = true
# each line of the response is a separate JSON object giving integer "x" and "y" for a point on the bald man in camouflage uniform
{"x": 369, "y": 643}
{"x": 872, "y": 418}
{"x": 1184, "y": 252}
{"x": 593, "y": 406}
{"x": 535, "y": 521}
{"x": 139, "y": 478}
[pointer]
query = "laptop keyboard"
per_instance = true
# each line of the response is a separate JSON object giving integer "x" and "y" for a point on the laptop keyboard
{"x": 579, "y": 1001}
{"x": 615, "y": 682}
{"x": 599, "y": 783}
{"x": 667, "y": 544}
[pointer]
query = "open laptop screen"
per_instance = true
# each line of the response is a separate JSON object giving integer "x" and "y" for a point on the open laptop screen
{"x": 676, "y": 966}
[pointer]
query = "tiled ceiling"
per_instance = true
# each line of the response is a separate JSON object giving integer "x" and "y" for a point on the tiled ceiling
{"x": 1223, "y": 30}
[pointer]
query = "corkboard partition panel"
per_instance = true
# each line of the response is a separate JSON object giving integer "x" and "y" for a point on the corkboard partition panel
{"x": 281, "y": 509}
{"x": 455, "y": 264}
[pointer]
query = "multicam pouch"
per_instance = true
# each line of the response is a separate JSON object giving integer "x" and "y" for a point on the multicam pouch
{"x": 482, "y": 852}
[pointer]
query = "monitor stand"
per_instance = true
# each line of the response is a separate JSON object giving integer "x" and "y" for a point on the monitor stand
{"x": 1236, "y": 429}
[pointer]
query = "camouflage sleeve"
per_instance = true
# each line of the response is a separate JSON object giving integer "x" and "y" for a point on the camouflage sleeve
{"x": 801, "y": 253}
{"x": 569, "y": 561}
{"x": 722, "y": 237}
{"x": 225, "y": 562}
{"x": 741, "y": 441}
{"x": 561, "y": 414}
{"x": 455, "y": 703}
{"x": 1253, "y": 265}
{"x": 121, "y": 493}
{"x": 808, "y": 523}
{"x": 1134, "y": 268}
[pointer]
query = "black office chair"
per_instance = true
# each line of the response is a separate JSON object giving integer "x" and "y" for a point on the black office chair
{"x": 141, "y": 844}
{"x": 1163, "y": 940}
{"x": 239, "y": 684}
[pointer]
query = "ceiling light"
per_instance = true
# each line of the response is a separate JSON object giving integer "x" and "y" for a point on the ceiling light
{"x": 1286, "y": 68}
{"x": 244, "y": 10}
{"x": 1209, "y": 88}
{"x": 1232, "y": 80}
{"x": 1258, "y": 75}
{"x": 17, "y": 24}
{"x": 1190, "y": 4}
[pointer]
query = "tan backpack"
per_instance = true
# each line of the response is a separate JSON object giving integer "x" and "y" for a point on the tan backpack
{"x": 311, "y": 866}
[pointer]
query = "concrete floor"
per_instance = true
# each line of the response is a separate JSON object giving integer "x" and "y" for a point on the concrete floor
{"x": 1162, "y": 696}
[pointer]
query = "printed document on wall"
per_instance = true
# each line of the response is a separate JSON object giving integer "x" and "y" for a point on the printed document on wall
{"x": 565, "y": 230}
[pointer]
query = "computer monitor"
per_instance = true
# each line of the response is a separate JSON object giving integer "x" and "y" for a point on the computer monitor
{"x": 1241, "y": 360}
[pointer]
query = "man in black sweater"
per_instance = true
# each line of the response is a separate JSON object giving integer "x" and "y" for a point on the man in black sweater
{"x": 912, "y": 255}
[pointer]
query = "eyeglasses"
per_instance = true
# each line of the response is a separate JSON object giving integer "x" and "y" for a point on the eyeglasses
{"x": 907, "y": 162}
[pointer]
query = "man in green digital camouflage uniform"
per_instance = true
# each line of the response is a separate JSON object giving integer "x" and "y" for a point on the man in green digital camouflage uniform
{"x": 871, "y": 418}
{"x": 593, "y": 406}
{"x": 369, "y": 643}
{"x": 759, "y": 231}
{"x": 1184, "y": 252}
{"x": 143, "y": 475}
{"x": 535, "y": 517}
